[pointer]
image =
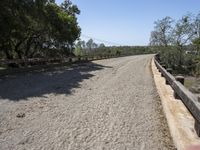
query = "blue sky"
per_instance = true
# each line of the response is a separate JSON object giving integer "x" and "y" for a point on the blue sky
{"x": 127, "y": 22}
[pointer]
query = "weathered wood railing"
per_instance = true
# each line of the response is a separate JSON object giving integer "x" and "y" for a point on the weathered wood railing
{"x": 189, "y": 99}
{"x": 24, "y": 65}
{"x": 39, "y": 61}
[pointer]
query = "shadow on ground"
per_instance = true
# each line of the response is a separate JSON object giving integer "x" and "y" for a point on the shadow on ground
{"x": 61, "y": 81}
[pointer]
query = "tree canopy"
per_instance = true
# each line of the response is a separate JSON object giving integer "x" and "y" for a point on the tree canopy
{"x": 179, "y": 42}
{"x": 37, "y": 28}
{"x": 178, "y": 33}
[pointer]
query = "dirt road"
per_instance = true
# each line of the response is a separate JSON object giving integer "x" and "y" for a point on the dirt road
{"x": 105, "y": 104}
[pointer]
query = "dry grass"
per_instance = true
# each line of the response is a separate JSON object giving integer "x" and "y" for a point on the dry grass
{"x": 189, "y": 82}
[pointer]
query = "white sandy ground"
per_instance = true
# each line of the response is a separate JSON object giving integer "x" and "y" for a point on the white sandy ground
{"x": 181, "y": 122}
{"x": 103, "y": 105}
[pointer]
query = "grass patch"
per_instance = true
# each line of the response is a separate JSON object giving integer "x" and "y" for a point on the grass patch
{"x": 189, "y": 82}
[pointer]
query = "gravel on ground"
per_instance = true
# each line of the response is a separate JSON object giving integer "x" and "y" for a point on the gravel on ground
{"x": 105, "y": 104}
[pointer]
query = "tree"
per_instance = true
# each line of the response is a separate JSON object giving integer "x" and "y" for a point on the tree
{"x": 69, "y": 8}
{"x": 79, "y": 47}
{"x": 102, "y": 45}
{"x": 162, "y": 32}
{"x": 154, "y": 39}
{"x": 196, "y": 42}
{"x": 197, "y": 25}
{"x": 183, "y": 34}
{"x": 178, "y": 36}
{"x": 83, "y": 44}
{"x": 94, "y": 45}
{"x": 65, "y": 29}
{"x": 37, "y": 27}
{"x": 89, "y": 44}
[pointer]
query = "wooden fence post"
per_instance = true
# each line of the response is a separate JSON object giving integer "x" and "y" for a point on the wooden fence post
{"x": 164, "y": 66}
{"x": 170, "y": 71}
{"x": 199, "y": 99}
{"x": 181, "y": 80}
{"x": 158, "y": 57}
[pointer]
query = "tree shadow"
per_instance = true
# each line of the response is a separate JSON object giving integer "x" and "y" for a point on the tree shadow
{"x": 60, "y": 81}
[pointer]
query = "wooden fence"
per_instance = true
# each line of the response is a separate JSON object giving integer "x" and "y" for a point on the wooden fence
{"x": 34, "y": 64}
{"x": 190, "y": 100}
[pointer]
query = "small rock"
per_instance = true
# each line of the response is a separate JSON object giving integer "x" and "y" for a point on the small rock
{"x": 20, "y": 115}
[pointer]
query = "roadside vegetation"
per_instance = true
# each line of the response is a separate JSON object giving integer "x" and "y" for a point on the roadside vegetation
{"x": 44, "y": 29}
{"x": 84, "y": 48}
{"x": 178, "y": 43}
{"x": 37, "y": 28}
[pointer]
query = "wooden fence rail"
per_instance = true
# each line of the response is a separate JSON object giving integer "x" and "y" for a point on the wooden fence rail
{"x": 39, "y": 61}
{"x": 189, "y": 99}
{"x": 34, "y": 64}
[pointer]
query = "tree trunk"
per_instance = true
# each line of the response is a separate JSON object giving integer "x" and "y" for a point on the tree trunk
{"x": 17, "y": 50}
{"x": 28, "y": 46}
{"x": 180, "y": 55}
{"x": 8, "y": 55}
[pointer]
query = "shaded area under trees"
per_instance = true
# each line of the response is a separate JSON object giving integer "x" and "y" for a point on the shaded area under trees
{"x": 37, "y": 28}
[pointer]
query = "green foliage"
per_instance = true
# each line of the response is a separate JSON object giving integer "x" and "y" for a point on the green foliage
{"x": 178, "y": 43}
{"x": 37, "y": 28}
{"x": 162, "y": 32}
{"x": 91, "y": 48}
{"x": 197, "y": 64}
{"x": 170, "y": 56}
{"x": 196, "y": 42}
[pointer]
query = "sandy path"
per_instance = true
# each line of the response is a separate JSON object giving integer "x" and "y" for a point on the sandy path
{"x": 106, "y": 104}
